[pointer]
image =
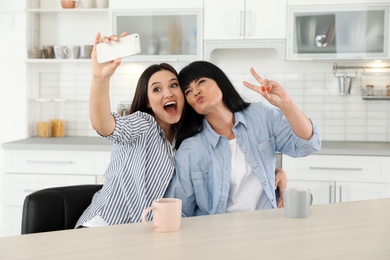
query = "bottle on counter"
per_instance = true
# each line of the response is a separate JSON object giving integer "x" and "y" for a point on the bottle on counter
{"x": 57, "y": 121}
{"x": 44, "y": 113}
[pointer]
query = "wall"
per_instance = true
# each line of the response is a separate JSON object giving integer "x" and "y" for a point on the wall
{"x": 13, "y": 112}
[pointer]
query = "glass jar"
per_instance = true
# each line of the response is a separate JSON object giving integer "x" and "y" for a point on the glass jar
{"x": 57, "y": 120}
{"x": 370, "y": 90}
{"x": 44, "y": 114}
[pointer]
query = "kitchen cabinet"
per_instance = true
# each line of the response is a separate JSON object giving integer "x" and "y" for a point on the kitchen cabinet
{"x": 26, "y": 171}
{"x": 335, "y": 32}
{"x": 244, "y": 19}
{"x": 337, "y": 178}
{"x": 168, "y": 35}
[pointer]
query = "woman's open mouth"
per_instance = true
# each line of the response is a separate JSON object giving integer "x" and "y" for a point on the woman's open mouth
{"x": 171, "y": 107}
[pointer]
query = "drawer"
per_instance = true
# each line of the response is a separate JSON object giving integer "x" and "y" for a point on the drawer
{"x": 17, "y": 186}
{"x": 52, "y": 162}
{"x": 335, "y": 167}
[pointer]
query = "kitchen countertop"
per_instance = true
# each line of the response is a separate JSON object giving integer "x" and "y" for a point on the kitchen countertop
{"x": 97, "y": 143}
{"x": 87, "y": 143}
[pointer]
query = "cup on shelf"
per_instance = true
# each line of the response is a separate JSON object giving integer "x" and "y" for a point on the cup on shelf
{"x": 87, "y": 3}
{"x": 101, "y": 3}
{"x": 60, "y": 52}
{"x": 86, "y": 51}
{"x": 72, "y": 52}
{"x": 36, "y": 53}
{"x": 69, "y": 4}
{"x": 49, "y": 51}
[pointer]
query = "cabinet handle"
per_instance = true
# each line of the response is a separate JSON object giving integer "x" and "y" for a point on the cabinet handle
{"x": 330, "y": 193}
{"x": 250, "y": 23}
{"x": 49, "y": 162}
{"x": 340, "y": 195}
{"x": 241, "y": 23}
{"x": 335, "y": 168}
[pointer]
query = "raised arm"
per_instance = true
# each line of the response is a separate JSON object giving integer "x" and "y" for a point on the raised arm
{"x": 277, "y": 96}
{"x": 99, "y": 98}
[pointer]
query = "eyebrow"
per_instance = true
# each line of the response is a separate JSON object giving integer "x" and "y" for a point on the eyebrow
{"x": 158, "y": 82}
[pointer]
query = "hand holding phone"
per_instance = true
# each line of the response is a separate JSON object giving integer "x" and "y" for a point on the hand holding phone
{"x": 124, "y": 47}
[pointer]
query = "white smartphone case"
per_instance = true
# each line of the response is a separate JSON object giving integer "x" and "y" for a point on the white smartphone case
{"x": 124, "y": 47}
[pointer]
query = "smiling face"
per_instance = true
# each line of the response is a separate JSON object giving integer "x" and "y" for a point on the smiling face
{"x": 204, "y": 95}
{"x": 165, "y": 98}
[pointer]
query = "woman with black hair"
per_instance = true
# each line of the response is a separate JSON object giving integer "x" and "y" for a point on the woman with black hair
{"x": 226, "y": 161}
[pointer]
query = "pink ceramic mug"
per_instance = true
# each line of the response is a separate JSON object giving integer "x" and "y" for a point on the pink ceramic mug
{"x": 166, "y": 215}
{"x": 69, "y": 4}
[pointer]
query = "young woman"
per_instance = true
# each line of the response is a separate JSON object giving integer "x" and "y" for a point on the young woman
{"x": 142, "y": 160}
{"x": 227, "y": 163}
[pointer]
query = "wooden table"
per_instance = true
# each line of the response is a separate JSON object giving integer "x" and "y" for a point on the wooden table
{"x": 349, "y": 230}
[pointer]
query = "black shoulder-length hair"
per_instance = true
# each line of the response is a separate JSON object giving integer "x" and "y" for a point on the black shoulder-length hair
{"x": 140, "y": 99}
{"x": 192, "y": 122}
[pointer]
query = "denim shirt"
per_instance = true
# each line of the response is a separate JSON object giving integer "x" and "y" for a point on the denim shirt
{"x": 202, "y": 176}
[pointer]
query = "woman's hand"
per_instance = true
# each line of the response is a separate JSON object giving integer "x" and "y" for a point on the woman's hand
{"x": 270, "y": 90}
{"x": 107, "y": 69}
{"x": 281, "y": 184}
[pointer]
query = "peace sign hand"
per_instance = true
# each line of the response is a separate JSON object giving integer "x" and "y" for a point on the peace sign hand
{"x": 270, "y": 90}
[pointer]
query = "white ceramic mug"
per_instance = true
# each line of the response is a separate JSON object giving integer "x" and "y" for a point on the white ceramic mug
{"x": 101, "y": 3}
{"x": 87, "y": 3}
{"x": 166, "y": 215}
{"x": 60, "y": 52}
{"x": 297, "y": 202}
{"x": 72, "y": 52}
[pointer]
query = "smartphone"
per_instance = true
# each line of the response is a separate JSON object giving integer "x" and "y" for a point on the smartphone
{"x": 124, "y": 47}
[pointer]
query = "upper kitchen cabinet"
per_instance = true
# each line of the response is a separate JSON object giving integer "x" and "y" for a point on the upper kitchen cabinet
{"x": 244, "y": 19}
{"x": 338, "y": 32}
{"x": 169, "y": 30}
{"x": 169, "y": 35}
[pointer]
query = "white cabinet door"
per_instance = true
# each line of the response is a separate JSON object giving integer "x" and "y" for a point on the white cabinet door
{"x": 334, "y": 178}
{"x": 224, "y": 19}
{"x": 351, "y": 191}
{"x": 265, "y": 19}
{"x": 244, "y": 19}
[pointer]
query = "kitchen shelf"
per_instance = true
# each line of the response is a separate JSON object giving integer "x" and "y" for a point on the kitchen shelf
{"x": 46, "y": 61}
{"x": 376, "y": 97}
{"x": 81, "y": 10}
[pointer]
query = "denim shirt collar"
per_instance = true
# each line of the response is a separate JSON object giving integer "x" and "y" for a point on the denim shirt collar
{"x": 212, "y": 136}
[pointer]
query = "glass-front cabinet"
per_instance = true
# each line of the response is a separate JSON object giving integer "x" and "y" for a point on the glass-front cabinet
{"x": 338, "y": 33}
{"x": 168, "y": 35}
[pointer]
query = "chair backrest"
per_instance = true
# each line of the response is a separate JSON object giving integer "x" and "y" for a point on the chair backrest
{"x": 56, "y": 208}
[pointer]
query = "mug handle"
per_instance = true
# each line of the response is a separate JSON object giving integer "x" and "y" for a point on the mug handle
{"x": 144, "y": 213}
{"x": 67, "y": 52}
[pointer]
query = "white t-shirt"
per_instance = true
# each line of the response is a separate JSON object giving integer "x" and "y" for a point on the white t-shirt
{"x": 245, "y": 187}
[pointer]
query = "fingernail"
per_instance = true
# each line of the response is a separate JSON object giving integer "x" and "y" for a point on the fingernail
{"x": 263, "y": 88}
{"x": 269, "y": 88}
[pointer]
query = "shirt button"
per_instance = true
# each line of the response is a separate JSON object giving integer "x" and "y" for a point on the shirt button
{"x": 255, "y": 167}
{"x": 246, "y": 150}
{"x": 237, "y": 136}
{"x": 206, "y": 173}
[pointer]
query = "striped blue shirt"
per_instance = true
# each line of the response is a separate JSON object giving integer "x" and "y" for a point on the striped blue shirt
{"x": 141, "y": 167}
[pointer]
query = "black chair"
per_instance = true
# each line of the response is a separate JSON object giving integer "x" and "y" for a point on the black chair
{"x": 56, "y": 208}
